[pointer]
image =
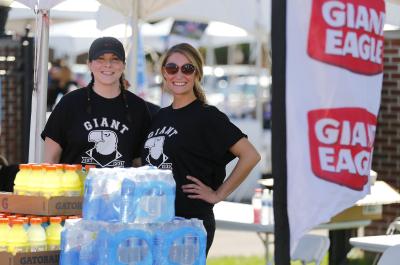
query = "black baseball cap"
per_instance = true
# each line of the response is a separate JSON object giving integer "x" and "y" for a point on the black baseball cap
{"x": 104, "y": 45}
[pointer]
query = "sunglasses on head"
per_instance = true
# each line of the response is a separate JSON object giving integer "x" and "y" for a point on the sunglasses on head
{"x": 173, "y": 68}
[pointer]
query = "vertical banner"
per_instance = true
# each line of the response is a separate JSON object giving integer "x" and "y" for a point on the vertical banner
{"x": 333, "y": 79}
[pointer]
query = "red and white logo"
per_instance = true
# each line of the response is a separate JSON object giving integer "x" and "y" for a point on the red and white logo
{"x": 341, "y": 144}
{"x": 348, "y": 34}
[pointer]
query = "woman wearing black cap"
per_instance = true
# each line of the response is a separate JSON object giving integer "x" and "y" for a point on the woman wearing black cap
{"x": 101, "y": 124}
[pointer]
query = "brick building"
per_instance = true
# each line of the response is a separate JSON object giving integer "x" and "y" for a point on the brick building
{"x": 386, "y": 158}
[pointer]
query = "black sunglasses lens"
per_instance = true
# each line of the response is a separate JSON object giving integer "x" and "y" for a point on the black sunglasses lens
{"x": 188, "y": 69}
{"x": 171, "y": 68}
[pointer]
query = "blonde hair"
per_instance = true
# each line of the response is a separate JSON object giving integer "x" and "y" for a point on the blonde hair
{"x": 195, "y": 58}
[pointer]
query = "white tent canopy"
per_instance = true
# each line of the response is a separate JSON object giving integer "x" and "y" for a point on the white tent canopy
{"x": 65, "y": 39}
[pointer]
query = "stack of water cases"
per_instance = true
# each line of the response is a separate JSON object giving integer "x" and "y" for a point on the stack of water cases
{"x": 129, "y": 218}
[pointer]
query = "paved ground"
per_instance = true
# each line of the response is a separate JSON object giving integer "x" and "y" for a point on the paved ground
{"x": 235, "y": 243}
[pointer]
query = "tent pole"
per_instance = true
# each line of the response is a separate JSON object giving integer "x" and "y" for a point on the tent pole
{"x": 39, "y": 95}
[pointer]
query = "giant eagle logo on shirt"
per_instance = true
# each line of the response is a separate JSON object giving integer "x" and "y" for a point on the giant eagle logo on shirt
{"x": 104, "y": 152}
{"x": 156, "y": 156}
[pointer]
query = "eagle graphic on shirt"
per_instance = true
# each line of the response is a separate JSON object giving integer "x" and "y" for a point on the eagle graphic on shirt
{"x": 104, "y": 153}
{"x": 156, "y": 156}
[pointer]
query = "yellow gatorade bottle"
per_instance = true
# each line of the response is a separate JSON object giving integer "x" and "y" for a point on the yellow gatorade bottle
{"x": 21, "y": 179}
{"x": 17, "y": 240}
{"x": 71, "y": 181}
{"x": 34, "y": 182}
{"x": 37, "y": 235}
{"x": 60, "y": 172}
{"x": 4, "y": 230}
{"x": 51, "y": 182}
{"x": 53, "y": 233}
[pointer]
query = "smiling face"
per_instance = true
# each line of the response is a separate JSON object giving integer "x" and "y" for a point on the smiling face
{"x": 179, "y": 84}
{"x": 107, "y": 69}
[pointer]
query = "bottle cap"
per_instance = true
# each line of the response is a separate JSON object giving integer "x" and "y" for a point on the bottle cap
{"x": 70, "y": 167}
{"x": 50, "y": 167}
{"x": 36, "y": 220}
{"x": 55, "y": 219}
{"x": 36, "y": 167}
{"x": 17, "y": 222}
{"x": 59, "y": 166}
{"x": 24, "y": 219}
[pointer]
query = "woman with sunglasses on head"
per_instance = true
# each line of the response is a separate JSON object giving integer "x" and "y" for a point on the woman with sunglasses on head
{"x": 196, "y": 141}
{"x": 102, "y": 124}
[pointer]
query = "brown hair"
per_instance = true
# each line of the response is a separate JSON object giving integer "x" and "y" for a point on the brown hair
{"x": 194, "y": 56}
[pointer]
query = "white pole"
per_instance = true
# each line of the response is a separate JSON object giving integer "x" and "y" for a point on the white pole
{"x": 259, "y": 32}
{"x": 133, "y": 52}
{"x": 39, "y": 95}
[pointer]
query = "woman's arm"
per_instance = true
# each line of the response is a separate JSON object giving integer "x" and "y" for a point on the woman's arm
{"x": 52, "y": 151}
{"x": 248, "y": 158}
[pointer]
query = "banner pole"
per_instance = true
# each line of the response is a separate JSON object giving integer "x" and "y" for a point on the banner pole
{"x": 279, "y": 170}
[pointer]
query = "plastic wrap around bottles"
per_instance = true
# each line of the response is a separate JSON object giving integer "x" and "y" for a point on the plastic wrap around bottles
{"x": 79, "y": 243}
{"x": 139, "y": 195}
{"x": 131, "y": 244}
{"x": 150, "y": 201}
{"x": 102, "y": 195}
{"x": 181, "y": 242}
{"x": 178, "y": 242}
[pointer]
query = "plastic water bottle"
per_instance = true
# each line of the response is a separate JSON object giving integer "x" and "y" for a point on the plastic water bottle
{"x": 176, "y": 250}
{"x": 37, "y": 236}
{"x": 256, "y": 201}
{"x": 128, "y": 201}
{"x": 53, "y": 233}
{"x": 134, "y": 251}
{"x": 4, "y": 231}
{"x": 190, "y": 249}
{"x": 17, "y": 240}
{"x": 267, "y": 213}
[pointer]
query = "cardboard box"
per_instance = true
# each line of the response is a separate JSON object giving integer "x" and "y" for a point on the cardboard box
{"x": 356, "y": 213}
{"x": 44, "y": 257}
{"x": 39, "y": 205}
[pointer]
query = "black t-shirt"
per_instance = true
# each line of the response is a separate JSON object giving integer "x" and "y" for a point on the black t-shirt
{"x": 102, "y": 136}
{"x": 193, "y": 140}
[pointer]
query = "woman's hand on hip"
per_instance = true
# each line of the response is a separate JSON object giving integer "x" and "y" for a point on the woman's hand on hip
{"x": 197, "y": 190}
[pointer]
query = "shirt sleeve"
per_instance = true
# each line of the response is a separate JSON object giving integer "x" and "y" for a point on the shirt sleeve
{"x": 221, "y": 134}
{"x": 56, "y": 125}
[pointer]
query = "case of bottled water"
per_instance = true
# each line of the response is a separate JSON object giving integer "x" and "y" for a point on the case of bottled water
{"x": 102, "y": 195}
{"x": 126, "y": 244}
{"x": 181, "y": 242}
{"x": 148, "y": 196}
{"x": 79, "y": 243}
